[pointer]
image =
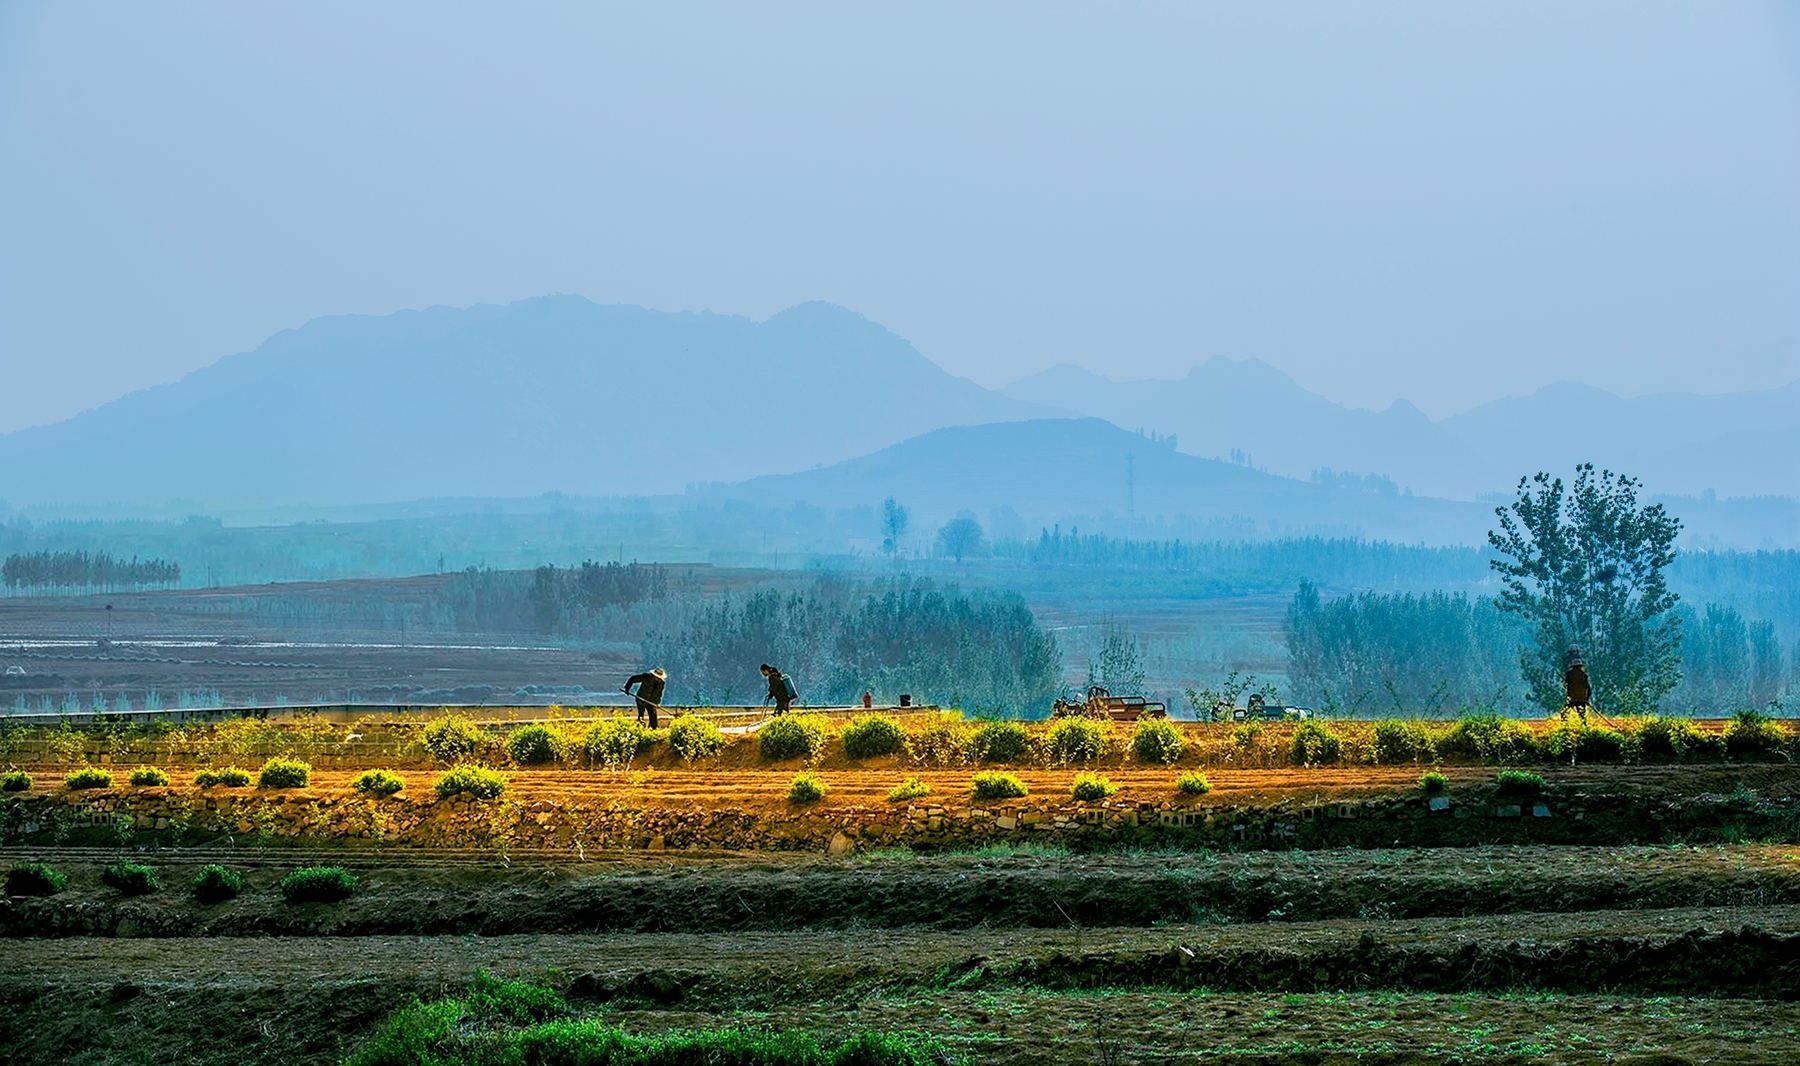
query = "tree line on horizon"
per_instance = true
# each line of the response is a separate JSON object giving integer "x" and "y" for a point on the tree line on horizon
{"x": 62, "y": 571}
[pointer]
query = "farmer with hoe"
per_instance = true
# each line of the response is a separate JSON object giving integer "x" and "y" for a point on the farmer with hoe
{"x": 649, "y": 693}
{"x": 781, "y": 688}
{"x": 1577, "y": 693}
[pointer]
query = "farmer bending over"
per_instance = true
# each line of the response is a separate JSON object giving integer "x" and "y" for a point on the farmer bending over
{"x": 649, "y": 693}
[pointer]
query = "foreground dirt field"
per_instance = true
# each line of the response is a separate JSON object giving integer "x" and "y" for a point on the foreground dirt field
{"x": 1484, "y": 947}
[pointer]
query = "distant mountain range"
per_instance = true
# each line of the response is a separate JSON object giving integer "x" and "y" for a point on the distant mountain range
{"x": 821, "y": 405}
{"x": 1111, "y": 480}
{"x": 549, "y": 394}
{"x": 1737, "y": 444}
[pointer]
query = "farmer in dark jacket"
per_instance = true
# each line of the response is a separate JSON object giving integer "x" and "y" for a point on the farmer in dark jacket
{"x": 1577, "y": 693}
{"x": 781, "y": 690}
{"x": 649, "y": 693}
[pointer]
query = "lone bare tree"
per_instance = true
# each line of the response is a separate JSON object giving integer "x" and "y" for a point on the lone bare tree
{"x": 960, "y": 537}
{"x": 1585, "y": 566}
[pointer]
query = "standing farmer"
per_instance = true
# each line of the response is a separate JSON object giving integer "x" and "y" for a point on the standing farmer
{"x": 1577, "y": 693}
{"x": 781, "y": 688}
{"x": 649, "y": 693}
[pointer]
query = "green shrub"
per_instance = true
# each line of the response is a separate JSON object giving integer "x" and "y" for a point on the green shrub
{"x": 1573, "y": 740}
{"x": 378, "y": 783}
{"x": 453, "y": 739}
{"x": 871, "y": 736}
{"x": 149, "y": 777}
{"x": 317, "y": 884}
{"x": 615, "y": 742}
{"x": 1157, "y": 741}
{"x": 1490, "y": 738}
{"x": 34, "y": 879}
{"x": 471, "y": 780}
{"x": 1193, "y": 783}
{"x": 806, "y": 788}
{"x": 911, "y": 788}
{"x": 534, "y": 745}
{"x": 131, "y": 878}
{"x": 1433, "y": 783}
{"x": 1247, "y": 735}
{"x": 1400, "y": 742}
{"x": 15, "y": 781}
{"x": 1091, "y": 788}
{"x": 216, "y": 884}
{"x": 230, "y": 777}
{"x": 1077, "y": 740}
{"x": 284, "y": 773}
{"x": 1003, "y": 740}
{"x": 493, "y": 1000}
{"x": 1519, "y": 784}
{"x": 992, "y": 785}
{"x": 89, "y": 777}
{"x": 941, "y": 740}
{"x": 1667, "y": 739}
{"x": 1315, "y": 745}
{"x": 693, "y": 737}
{"x": 1753, "y": 733}
{"x": 1707, "y": 747}
{"x": 792, "y": 736}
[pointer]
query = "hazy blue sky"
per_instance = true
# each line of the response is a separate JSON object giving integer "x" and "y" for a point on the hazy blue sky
{"x": 1444, "y": 202}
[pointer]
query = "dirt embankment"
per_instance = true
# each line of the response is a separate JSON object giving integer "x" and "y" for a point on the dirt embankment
{"x": 407, "y": 894}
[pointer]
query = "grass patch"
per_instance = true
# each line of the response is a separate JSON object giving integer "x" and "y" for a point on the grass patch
{"x": 1753, "y": 733}
{"x": 216, "y": 884}
{"x": 470, "y": 780}
{"x": 695, "y": 738}
{"x": 993, "y": 785}
{"x": 944, "y": 740}
{"x": 281, "y": 772}
{"x": 88, "y": 777}
{"x": 1315, "y": 745}
{"x": 806, "y": 788}
{"x": 911, "y": 788}
{"x": 1157, "y": 742}
{"x": 535, "y": 745}
{"x": 34, "y": 879}
{"x": 318, "y": 884}
{"x": 1078, "y": 740}
{"x": 514, "y": 1022}
{"x": 452, "y": 739}
{"x": 615, "y": 742}
{"x": 1519, "y": 784}
{"x": 792, "y": 736}
{"x": 1000, "y": 741}
{"x": 133, "y": 879}
{"x": 15, "y": 781}
{"x": 1091, "y": 788}
{"x": 229, "y": 777}
{"x": 871, "y": 736}
{"x": 378, "y": 783}
{"x": 149, "y": 777}
{"x": 1193, "y": 783}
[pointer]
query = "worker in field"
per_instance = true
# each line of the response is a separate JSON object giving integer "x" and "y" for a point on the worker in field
{"x": 649, "y": 694}
{"x": 1578, "y": 695}
{"x": 781, "y": 688}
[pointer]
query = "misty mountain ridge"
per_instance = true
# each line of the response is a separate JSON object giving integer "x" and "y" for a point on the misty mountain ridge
{"x": 550, "y": 394}
{"x": 1733, "y": 444}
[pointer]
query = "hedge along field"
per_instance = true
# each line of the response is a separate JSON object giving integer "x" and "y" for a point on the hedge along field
{"x": 920, "y": 740}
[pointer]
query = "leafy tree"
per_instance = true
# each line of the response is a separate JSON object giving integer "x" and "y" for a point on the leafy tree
{"x": 960, "y": 537}
{"x": 894, "y": 520}
{"x": 1584, "y": 565}
{"x": 1119, "y": 666}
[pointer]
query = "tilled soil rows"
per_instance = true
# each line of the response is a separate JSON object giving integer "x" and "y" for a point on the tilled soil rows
{"x": 733, "y": 893}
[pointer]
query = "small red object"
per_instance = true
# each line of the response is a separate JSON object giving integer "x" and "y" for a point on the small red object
{"x": 868, "y": 699}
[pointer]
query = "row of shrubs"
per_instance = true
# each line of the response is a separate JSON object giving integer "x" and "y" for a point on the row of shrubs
{"x": 470, "y": 779}
{"x": 612, "y": 743}
{"x": 808, "y": 787}
{"x": 213, "y": 884}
